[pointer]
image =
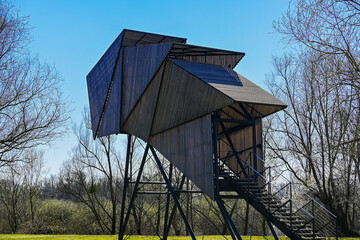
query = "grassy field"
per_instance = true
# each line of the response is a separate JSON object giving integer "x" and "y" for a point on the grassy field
{"x": 115, "y": 237}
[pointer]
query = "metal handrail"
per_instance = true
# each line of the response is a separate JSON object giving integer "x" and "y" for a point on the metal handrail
{"x": 280, "y": 174}
{"x": 279, "y": 190}
{"x": 267, "y": 183}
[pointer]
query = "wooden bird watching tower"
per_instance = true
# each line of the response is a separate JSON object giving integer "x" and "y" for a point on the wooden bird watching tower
{"x": 189, "y": 104}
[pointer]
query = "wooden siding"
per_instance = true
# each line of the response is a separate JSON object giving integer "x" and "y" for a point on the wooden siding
{"x": 99, "y": 79}
{"x": 208, "y": 55}
{"x": 110, "y": 123}
{"x": 137, "y": 38}
{"x": 243, "y": 142}
{"x": 140, "y": 65}
{"x": 189, "y": 148}
{"x": 140, "y": 119}
{"x": 184, "y": 97}
{"x": 229, "y": 61}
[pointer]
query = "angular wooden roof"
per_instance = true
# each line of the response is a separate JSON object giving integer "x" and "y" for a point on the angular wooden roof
{"x": 120, "y": 78}
{"x": 159, "y": 88}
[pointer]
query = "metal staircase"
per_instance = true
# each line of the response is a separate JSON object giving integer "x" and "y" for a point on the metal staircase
{"x": 301, "y": 219}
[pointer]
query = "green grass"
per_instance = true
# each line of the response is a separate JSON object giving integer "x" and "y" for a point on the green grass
{"x": 110, "y": 237}
{"x": 115, "y": 237}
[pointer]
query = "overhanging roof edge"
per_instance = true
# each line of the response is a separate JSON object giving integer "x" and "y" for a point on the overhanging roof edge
{"x": 154, "y": 34}
{"x": 209, "y": 49}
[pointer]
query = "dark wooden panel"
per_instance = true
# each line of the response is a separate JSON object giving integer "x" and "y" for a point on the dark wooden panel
{"x": 243, "y": 142}
{"x": 99, "y": 79}
{"x": 203, "y": 54}
{"x": 110, "y": 122}
{"x": 137, "y": 38}
{"x": 140, "y": 65}
{"x": 184, "y": 97}
{"x": 233, "y": 111}
{"x": 189, "y": 148}
{"x": 140, "y": 119}
{"x": 229, "y": 61}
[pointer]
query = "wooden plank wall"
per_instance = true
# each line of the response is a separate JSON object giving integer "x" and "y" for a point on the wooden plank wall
{"x": 184, "y": 97}
{"x": 189, "y": 148}
{"x": 98, "y": 81}
{"x": 140, "y": 65}
{"x": 140, "y": 120}
{"x": 229, "y": 61}
{"x": 110, "y": 122}
{"x": 243, "y": 141}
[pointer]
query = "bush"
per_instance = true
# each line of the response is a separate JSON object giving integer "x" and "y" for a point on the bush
{"x": 53, "y": 217}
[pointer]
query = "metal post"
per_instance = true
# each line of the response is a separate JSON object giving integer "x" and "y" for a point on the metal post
{"x": 216, "y": 160}
{"x": 230, "y": 224}
{"x": 133, "y": 195}
{"x": 226, "y": 221}
{"x": 233, "y": 149}
{"x": 313, "y": 220}
{"x": 270, "y": 179}
{"x": 272, "y": 229}
{"x": 172, "y": 214}
{"x": 337, "y": 229}
{"x": 167, "y": 203}
{"x": 176, "y": 200}
{"x": 262, "y": 145}
{"x": 126, "y": 182}
{"x": 255, "y": 150}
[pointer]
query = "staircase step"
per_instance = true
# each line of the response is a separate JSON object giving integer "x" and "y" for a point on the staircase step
{"x": 258, "y": 197}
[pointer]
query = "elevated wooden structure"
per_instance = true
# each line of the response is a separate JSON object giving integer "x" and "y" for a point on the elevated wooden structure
{"x": 189, "y": 103}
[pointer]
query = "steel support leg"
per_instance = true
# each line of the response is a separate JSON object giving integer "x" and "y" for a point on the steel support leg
{"x": 172, "y": 214}
{"x": 167, "y": 204}
{"x": 230, "y": 224}
{"x": 254, "y": 149}
{"x": 216, "y": 159}
{"x": 272, "y": 229}
{"x": 176, "y": 200}
{"x": 133, "y": 195}
{"x": 126, "y": 182}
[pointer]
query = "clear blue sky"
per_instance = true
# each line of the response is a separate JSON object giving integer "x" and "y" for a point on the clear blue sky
{"x": 73, "y": 35}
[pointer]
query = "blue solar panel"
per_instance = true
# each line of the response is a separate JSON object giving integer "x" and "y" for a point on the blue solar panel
{"x": 210, "y": 73}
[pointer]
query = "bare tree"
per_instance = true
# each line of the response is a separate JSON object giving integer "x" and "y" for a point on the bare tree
{"x": 32, "y": 108}
{"x": 19, "y": 189}
{"x": 12, "y": 198}
{"x": 317, "y": 137}
{"x": 313, "y": 137}
{"x": 330, "y": 27}
{"x": 33, "y": 173}
{"x": 93, "y": 174}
